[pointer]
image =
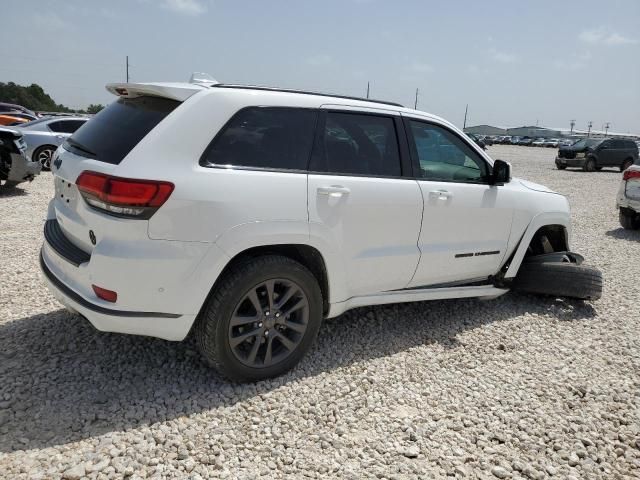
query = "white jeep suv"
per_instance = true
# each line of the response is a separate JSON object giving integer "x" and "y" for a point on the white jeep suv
{"x": 628, "y": 199}
{"x": 250, "y": 214}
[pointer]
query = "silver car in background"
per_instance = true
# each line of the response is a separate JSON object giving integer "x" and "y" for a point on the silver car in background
{"x": 43, "y": 136}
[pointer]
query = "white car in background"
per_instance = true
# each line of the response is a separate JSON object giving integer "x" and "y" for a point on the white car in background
{"x": 45, "y": 135}
{"x": 628, "y": 201}
{"x": 251, "y": 213}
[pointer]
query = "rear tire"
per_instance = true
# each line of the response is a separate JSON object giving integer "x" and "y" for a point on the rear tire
{"x": 626, "y": 164}
{"x": 231, "y": 314}
{"x": 590, "y": 165}
{"x": 43, "y": 155}
{"x": 629, "y": 219}
{"x": 559, "y": 279}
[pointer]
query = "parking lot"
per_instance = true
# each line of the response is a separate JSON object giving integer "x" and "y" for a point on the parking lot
{"x": 517, "y": 387}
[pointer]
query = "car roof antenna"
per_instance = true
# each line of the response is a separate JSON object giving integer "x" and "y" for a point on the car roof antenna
{"x": 202, "y": 78}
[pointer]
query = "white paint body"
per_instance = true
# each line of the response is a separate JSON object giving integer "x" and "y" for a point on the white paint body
{"x": 629, "y": 192}
{"x": 382, "y": 240}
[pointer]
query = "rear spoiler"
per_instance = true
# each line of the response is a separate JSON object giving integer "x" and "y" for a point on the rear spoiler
{"x": 173, "y": 91}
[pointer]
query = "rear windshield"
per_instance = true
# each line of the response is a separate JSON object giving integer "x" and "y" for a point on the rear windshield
{"x": 116, "y": 130}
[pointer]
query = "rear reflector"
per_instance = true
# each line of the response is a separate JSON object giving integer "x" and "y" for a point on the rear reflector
{"x": 124, "y": 197}
{"x": 104, "y": 294}
{"x": 630, "y": 174}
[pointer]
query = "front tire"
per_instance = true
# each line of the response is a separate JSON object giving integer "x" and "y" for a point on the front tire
{"x": 43, "y": 155}
{"x": 590, "y": 165}
{"x": 559, "y": 279}
{"x": 561, "y": 167}
{"x": 261, "y": 319}
{"x": 629, "y": 219}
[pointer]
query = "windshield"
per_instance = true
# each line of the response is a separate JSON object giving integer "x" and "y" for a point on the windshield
{"x": 586, "y": 142}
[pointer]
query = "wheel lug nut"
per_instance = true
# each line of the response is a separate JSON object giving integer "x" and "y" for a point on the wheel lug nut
{"x": 277, "y": 314}
{"x": 260, "y": 325}
{"x": 266, "y": 333}
{"x": 266, "y": 313}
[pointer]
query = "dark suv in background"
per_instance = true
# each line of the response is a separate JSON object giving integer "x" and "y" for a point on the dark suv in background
{"x": 594, "y": 153}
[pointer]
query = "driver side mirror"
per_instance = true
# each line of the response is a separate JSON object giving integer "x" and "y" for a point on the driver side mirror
{"x": 501, "y": 172}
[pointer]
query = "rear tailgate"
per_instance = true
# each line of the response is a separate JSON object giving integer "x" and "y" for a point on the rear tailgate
{"x": 100, "y": 146}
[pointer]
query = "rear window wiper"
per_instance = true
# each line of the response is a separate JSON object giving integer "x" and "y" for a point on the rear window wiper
{"x": 80, "y": 147}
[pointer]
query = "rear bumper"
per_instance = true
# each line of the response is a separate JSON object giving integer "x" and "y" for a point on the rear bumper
{"x": 571, "y": 162}
{"x": 625, "y": 202}
{"x": 168, "y": 326}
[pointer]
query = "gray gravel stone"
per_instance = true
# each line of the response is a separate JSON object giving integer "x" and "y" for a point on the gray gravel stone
{"x": 74, "y": 473}
{"x": 500, "y": 472}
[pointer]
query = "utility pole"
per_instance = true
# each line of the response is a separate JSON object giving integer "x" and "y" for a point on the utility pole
{"x": 367, "y": 89}
{"x": 573, "y": 124}
{"x": 464, "y": 125}
{"x": 127, "y": 68}
{"x": 415, "y": 104}
{"x": 589, "y": 131}
{"x": 606, "y": 129}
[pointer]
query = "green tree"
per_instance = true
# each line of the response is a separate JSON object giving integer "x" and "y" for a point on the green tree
{"x": 35, "y": 98}
{"x": 94, "y": 108}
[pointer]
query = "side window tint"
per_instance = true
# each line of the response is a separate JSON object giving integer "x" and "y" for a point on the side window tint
{"x": 265, "y": 137}
{"x": 73, "y": 125}
{"x": 66, "y": 126}
{"x": 358, "y": 144}
{"x": 56, "y": 127}
{"x": 444, "y": 156}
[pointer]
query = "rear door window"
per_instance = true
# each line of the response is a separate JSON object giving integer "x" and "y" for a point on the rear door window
{"x": 56, "y": 127}
{"x": 117, "y": 129}
{"x": 357, "y": 144}
{"x": 66, "y": 126}
{"x": 264, "y": 138}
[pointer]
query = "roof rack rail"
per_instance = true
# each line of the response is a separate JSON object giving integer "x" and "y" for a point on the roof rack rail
{"x": 305, "y": 92}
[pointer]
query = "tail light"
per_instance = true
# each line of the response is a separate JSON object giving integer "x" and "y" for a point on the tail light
{"x": 630, "y": 174}
{"x": 123, "y": 197}
{"x": 104, "y": 294}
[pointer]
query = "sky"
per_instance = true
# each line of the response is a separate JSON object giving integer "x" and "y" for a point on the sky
{"x": 515, "y": 63}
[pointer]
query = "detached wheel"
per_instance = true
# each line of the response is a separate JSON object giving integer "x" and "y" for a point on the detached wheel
{"x": 590, "y": 165}
{"x": 629, "y": 219}
{"x": 560, "y": 279}
{"x": 626, "y": 164}
{"x": 261, "y": 319}
{"x": 43, "y": 156}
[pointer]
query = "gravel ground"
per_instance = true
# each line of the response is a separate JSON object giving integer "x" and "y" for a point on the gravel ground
{"x": 518, "y": 387}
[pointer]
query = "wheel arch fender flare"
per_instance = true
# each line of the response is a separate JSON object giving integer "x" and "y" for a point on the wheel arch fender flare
{"x": 539, "y": 221}
{"x": 279, "y": 235}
